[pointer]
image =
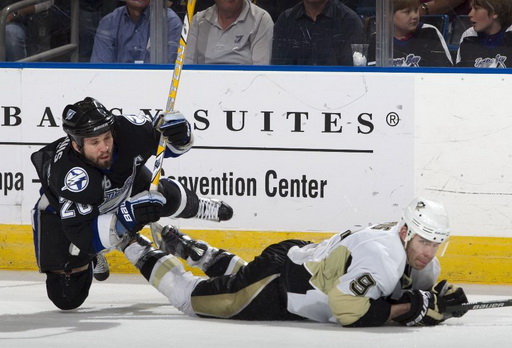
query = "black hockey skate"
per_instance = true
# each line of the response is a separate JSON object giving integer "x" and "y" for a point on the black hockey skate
{"x": 178, "y": 244}
{"x": 101, "y": 269}
{"x": 213, "y": 210}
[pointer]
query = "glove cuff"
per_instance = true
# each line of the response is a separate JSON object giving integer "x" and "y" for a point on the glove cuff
{"x": 415, "y": 298}
{"x": 176, "y": 150}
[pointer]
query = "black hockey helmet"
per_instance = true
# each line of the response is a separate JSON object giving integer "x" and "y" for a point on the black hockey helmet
{"x": 86, "y": 118}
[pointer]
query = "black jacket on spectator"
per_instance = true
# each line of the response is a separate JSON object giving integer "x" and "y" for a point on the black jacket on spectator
{"x": 299, "y": 40}
{"x": 478, "y": 50}
{"x": 424, "y": 48}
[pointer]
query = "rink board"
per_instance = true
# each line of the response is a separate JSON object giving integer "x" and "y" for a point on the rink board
{"x": 284, "y": 157}
{"x": 484, "y": 260}
{"x": 360, "y": 144}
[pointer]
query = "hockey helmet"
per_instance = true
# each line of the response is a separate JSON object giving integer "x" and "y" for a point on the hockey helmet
{"x": 428, "y": 219}
{"x": 86, "y": 118}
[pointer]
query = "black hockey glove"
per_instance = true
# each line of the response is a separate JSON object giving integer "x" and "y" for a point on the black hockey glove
{"x": 175, "y": 128}
{"x": 452, "y": 296}
{"x": 426, "y": 308}
{"x": 138, "y": 211}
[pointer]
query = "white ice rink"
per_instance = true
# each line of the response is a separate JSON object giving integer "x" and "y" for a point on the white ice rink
{"x": 124, "y": 311}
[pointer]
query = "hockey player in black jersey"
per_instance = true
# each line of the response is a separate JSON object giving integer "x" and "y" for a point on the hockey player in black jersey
{"x": 95, "y": 194}
{"x": 488, "y": 44}
{"x": 415, "y": 44}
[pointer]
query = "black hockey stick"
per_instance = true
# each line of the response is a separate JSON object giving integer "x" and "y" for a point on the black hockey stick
{"x": 479, "y": 305}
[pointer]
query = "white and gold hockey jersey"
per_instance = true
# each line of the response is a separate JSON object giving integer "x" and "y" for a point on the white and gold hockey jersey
{"x": 350, "y": 275}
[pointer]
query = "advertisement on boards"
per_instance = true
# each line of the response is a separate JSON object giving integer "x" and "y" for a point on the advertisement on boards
{"x": 322, "y": 151}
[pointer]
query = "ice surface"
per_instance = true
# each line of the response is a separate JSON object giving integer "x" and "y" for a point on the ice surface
{"x": 124, "y": 311}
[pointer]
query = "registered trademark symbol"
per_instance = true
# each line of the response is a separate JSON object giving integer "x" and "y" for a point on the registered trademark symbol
{"x": 392, "y": 119}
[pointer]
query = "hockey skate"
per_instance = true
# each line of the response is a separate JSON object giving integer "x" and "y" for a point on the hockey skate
{"x": 101, "y": 269}
{"x": 212, "y": 261}
{"x": 178, "y": 244}
{"x": 213, "y": 210}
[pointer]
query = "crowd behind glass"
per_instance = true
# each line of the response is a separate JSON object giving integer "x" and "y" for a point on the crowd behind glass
{"x": 426, "y": 33}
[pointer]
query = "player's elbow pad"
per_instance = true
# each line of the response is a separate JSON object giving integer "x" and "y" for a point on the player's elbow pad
{"x": 377, "y": 314}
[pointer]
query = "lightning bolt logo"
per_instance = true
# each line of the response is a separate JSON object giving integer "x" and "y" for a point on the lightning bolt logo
{"x": 76, "y": 180}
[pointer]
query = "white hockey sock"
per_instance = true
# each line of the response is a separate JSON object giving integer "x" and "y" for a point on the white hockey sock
{"x": 169, "y": 278}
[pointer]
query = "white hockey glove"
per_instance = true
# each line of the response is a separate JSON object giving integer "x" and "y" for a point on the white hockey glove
{"x": 138, "y": 211}
{"x": 176, "y": 129}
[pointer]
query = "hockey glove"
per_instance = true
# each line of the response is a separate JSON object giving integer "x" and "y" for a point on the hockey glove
{"x": 452, "y": 296}
{"x": 138, "y": 211}
{"x": 175, "y": 128}
{"x": 426, "y": 308}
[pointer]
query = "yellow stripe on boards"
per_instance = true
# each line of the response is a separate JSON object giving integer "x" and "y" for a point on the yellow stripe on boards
{"x": 486, "y": 260}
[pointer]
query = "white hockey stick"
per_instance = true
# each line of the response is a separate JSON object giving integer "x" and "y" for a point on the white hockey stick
{"x": 173, "y": 90}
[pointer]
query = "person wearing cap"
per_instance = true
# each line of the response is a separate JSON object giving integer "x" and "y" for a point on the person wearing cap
{"x": 95, "y": 193}
{"x": 382, "y": 273}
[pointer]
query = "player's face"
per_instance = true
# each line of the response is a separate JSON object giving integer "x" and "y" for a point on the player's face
{"x": 98, "y": 150}
{"x": 483, "y": 22}
{"x": 406, "y": 21}
{"x": 420, "y": 252}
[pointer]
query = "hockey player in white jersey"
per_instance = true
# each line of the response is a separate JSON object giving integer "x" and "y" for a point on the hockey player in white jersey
{"x": 94, "y": 193}
{"x": 382, "y": 273}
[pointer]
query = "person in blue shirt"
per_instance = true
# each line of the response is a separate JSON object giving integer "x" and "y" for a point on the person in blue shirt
{"x": 123, "y": 36}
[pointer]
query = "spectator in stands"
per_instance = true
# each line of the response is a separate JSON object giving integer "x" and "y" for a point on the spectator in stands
{"x": 488, "y": 44}
{"x": 230, "y": 32}
{"x": 316, "y": 32}
{"x": 91, "y": 12}
{"x": 415, "y": 43}
{"x": 275, "y": 7}
{"x": 452, "y": 8}
{"x": 123, "y": 35}
{"x": 16, "y": 36}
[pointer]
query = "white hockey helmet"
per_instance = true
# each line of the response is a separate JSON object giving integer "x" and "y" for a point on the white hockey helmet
{"x": 428, "y": 219}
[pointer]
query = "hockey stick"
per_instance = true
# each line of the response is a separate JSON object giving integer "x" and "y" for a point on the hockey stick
{"x": 479, "y": 305}
{"x": 171, "y": 99}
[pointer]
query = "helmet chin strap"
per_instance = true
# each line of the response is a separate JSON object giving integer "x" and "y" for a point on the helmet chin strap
{"x": 407, "y": 239}
{"x": 79, "y": 142}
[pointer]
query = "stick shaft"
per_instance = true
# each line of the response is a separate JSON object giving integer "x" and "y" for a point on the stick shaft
{"x": 479, "y": 305}
{"x": 173, "y": 90}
